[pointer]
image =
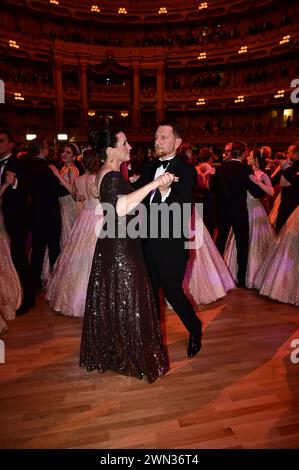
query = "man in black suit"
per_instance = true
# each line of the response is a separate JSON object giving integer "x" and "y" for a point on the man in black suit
{"x": 46, "y": 221}
{"x": 290, "y": 186}
{"x": 231, "y": 183}
{"x": 167, "y": 257}
{"x": 15, "y": 210}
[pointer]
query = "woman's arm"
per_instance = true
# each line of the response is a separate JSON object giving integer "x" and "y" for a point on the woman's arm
{"x": 128, "y": 203}
{"x": 266, "y": 186}
{"x": 62, "y": 180}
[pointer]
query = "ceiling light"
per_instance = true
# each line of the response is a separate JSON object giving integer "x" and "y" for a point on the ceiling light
{"x": 243, "y": 50}
{"x": 95, "y": 9}
{"x": 162, "y": 11}
{"x": 62, "y": 136}
{"x": 203, "y": 6}
{"x": 30, "y": 136}
{"x": 13, "y": 44}
{"x": 285, "y": 39}
{"x": 280, "y": 94}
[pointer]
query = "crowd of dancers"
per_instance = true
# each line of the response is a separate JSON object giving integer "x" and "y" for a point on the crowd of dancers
{"x": 50, "y": 221}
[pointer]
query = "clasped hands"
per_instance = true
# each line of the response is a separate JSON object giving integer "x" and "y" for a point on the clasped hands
{"x": 10, "y": 178}
{"x": 165, "y": 181}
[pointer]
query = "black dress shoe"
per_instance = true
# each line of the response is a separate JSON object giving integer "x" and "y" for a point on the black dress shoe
{"x": 194, "y": 345}
{"x": 25, "y": 307}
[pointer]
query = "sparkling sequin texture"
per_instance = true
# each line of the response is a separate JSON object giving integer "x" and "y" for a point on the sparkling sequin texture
{"x": 121, "y": 329}
{"x": 10, "y": 288}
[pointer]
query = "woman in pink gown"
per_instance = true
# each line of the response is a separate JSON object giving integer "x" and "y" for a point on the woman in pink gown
{"x": 10, "y": 287}
{"x": 261, "y": 233}
{"x": 207, "y": 277}
{"x": 67, "y": 288}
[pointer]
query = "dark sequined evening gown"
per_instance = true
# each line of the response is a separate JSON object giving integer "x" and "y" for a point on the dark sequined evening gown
{"x": 121, "y": 329}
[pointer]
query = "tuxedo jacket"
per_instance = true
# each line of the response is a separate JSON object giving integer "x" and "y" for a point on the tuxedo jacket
{"x": 181, "y": 192}
{"x": 231, "y": 183}
{"x": 15, "y": 206}
{"x": 45, "y": 189}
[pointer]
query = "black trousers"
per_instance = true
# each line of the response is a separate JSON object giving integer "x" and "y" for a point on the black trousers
{"x": 45, "y": 233}
{"x": 240, "y": 225}
{"x": 18, "y": 231}
{"x": 167, "y": 271}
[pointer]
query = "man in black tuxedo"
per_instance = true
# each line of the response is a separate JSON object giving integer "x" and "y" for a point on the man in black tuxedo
{"x": 46, "y": 221}
{"x": 231, "y": 183}
{"x": 167, "y": 257}
{"x": 15, "y": 210}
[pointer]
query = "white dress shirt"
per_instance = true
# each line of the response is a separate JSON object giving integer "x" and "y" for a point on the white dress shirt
{"x": 160, "y": 171}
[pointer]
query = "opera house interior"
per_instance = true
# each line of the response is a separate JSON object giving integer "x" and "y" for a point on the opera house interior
{"x": 129, "y": 89}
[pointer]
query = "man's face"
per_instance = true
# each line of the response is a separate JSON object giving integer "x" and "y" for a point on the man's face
{"x": 5, "y": 146}
{"x": 45, "y": 149}
{"x": 227, "y": 155}
{"x": 166, "y": 143}
{"x": 291, "y": 154}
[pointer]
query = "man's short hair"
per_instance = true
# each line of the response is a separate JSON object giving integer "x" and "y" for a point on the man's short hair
{"x": 296, "y": 147}
{"x": 35, "y": 147}
{"x": 238, "y": 148}
{"x": 9, "y": 135}
{"x": 176, "y": 127}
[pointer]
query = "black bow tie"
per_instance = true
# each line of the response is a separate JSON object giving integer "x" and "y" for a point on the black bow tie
{"x": 4, "y": 161}
{"x": 165, "y": 163}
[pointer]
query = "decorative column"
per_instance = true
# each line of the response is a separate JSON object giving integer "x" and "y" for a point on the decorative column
{"x": 136, "y": 95}
{"x": 58, "y": 92}
{"x": 83, "y": 93}
{"x": 160, "y": 92}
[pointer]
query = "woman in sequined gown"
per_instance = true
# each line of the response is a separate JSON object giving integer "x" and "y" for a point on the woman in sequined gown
{"x": 278, "y": 277}
{"x": 121, "y": 328}
{"x": 10, "y": 287}
{"x": 261, "y": 233}
{"x": 67, "y": 288}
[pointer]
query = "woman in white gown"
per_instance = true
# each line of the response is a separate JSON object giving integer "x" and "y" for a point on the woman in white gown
{"x": 261, "y": 233}
{"x": 10, "y": 287}
{"x": 67, "y": 288}
{"x": 278, "y": 276}
{"x": 69, "y": 209}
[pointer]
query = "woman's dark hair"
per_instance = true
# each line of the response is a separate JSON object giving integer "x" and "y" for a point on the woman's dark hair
{"x": 90, "y": 160}
{"x": 74, "y": 148}
{"x": 257, "y": 155}
{"x": 102, "y": 139}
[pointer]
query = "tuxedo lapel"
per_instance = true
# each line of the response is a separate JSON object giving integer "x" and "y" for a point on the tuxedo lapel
{"x": 173, "y": 163}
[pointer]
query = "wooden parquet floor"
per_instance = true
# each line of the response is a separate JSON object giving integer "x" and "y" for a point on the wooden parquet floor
{"x": 241, "y": 391}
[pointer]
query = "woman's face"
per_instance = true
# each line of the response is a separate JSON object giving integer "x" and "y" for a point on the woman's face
{"x": 250, "y": 159}
{"x": 123, "y": 148}
{"x": 67, "y": 155}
